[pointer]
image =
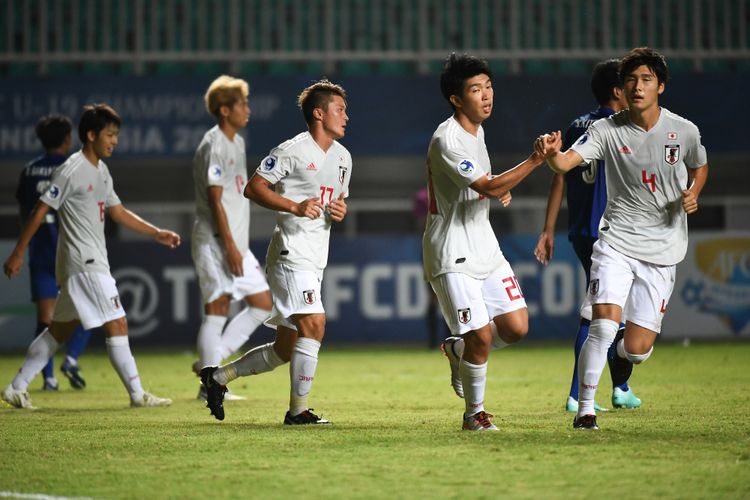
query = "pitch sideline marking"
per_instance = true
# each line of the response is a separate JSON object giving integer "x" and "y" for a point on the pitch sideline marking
{"x": 38, "y": 496}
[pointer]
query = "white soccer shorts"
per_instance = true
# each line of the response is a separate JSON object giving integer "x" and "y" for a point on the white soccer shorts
{"x": 215, "y": 279}
{"x": 642, "y": 289}
{"x": 294, "y": 292}
{"x": 469, "y": 304}
{"x": 89, "y": 297}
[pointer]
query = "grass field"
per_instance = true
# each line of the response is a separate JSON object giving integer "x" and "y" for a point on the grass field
{"x": 396, "y": 432}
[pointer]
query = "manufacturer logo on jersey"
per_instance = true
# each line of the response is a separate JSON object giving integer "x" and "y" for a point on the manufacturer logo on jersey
{"x": 672, "y": 153}
{"x": 269, "y": 163}
{"x": 90, "y": 188}
{"x": 309, "y": 296}
{"x": 672, "y": 136}
{"x": 625, "y": 150}
{"x": 464, "y": 315}
{"x": 214, "y": 172}
{"x": 594, "y": 287}
{"x": 116, "y": 302}
{"x": 312, "y": 166}
{"x": 342, "y": 174}
{"x": 465, "y": 168}
{"x": 53, "y": 192}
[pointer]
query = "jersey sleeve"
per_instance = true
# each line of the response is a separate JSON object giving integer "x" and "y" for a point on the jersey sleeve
{"x": 112, "y": 198}
{"x": 591, "y": 144}
{"x": 217, "y": 170}
{"x": 347, "y": 175}
{"x": 695, "y": 156}
{"x": 460, "y": 167}
{"x": 276, "y": 166}
{"x": 60, "y": 187}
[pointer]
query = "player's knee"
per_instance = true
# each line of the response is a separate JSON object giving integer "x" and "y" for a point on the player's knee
{"x": 637, "y": 359}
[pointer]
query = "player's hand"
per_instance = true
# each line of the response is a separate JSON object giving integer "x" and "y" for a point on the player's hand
{"x": 337, "y": 208}
{"x": 234, "y": 260}
{"x": 689, "y": 201}
{"x": 505, "y": 198}
{"x": 548, "y": 144}
{"x": 310, "y": 208}
{"x": 168, "y": 238}
{"x": 12, "y": 265}
{"x": 545, "y": 247}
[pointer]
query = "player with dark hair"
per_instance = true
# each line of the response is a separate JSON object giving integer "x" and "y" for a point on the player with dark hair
{"x": 656, "y": 168}
{"x": 82, "y": 192}
{"x": 305, "y": 180}
{"x": 479, "y": 295}
{"x": 587, "y": 197}
{"x": 55, "y": 134}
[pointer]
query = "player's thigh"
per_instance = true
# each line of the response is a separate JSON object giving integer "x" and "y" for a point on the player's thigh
{"x": 650, "y": 294}
{"x": 461, "y": 302}
{"x": 214, "y": 277}
{"x": 253, "y": 280}
{"x": 294, "y": 292}
{"x": 612, "y": 276}
{"x": 90, "y": 297}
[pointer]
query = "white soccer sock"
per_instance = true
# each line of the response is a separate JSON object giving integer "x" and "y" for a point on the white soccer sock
{"x": 591, "y": 362}
{"x": 240, "y": 328}
{"x": 261, "y": 359}
{"x": 304, "y": 361}
{"x": 209, "y": 340}
{"x": 474, "y": 379}
{"x": 39, "y": 352}
{"x": 123, "y": 362}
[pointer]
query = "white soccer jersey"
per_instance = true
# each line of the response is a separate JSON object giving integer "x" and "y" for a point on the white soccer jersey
{"x": 300, "y": 169}
{"x": 80, "y": 192}
{"x": 221, "y": 162}
{"x": 458, "y": 237}
{"x": 646, "y": 173}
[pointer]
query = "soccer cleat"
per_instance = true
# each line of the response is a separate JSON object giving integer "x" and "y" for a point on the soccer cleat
{"x": 196, "y": 367}
{"x": 586, "y": 422}
{"x": 150, "y": 401}
{"x": 18, "y": 399}
{"x": 228, "y": 396}
{"x": 480, "y": 421}
{"x": 50, "y": 384}
{"x": 447, "y": 346}
{"x": 73, "y": 373}
{"x": 625, "y": 399}
{"x": 572, "y": 406}
{"x": 214, "y": 392}
{"x": 307, "y": 417}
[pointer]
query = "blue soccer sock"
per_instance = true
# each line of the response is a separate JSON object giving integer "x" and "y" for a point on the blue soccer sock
{"x": 583, "y": 333}
{"x": 49, "y": 369}
{"x": 620, "y": 368}
{"x": 77, "y": 342}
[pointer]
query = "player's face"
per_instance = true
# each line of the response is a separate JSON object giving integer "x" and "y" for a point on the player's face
{"x": 334, "y": 117}
{"x": 105, "y": 142}
{"x": 239, "y": 114}
{"x": 642, "y": 88}
{"x": 476, "y": 101}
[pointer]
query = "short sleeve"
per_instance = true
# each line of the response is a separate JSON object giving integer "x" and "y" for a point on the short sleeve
{"x": 460, "y": 167}
{"x": 112, "y": 198}
{"x": 591, "y": 144}
{"x": 695, "y": 156}
{"x": 276, "y": 166}
{"x": 217, "y": 169}
{"x": 60, "y": 187}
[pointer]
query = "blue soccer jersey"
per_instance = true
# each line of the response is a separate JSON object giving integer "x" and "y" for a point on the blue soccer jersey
{"x": 586, "y": 184}
{"x": 33, "y": 182}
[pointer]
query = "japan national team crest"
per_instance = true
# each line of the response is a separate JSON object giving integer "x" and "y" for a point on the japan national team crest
{"x": 672, "y": 153}
{"x": 464, "y": 315}
{"x": 342, "y": 174}
{"x": 115, "y": 302}
{"x": 309, "y": 297}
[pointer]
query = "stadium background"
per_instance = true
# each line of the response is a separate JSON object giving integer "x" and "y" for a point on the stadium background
{"x": 152, "y": 60}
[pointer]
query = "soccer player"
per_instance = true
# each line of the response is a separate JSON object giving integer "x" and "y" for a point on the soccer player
{"x": 305, "y": 179}
{"x": 81, "y": 191}
{"x": 478, "y": 292}
{"x": 656, "y": 168}
{"x": 55, "y": 134}
{"x": 226, "y": 268}
{"x": 587, "y": 197}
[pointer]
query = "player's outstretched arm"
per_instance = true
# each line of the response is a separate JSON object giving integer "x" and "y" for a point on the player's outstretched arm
{"x": 12, "y": 265}
{"x": 549, "y": 145}
{"x": 130, "y": 220}
{"x": 690, "y": 195}
{"x": 261, "y": 191}
{"x": 545, "y": 246}
{"x": 499, "y": 185}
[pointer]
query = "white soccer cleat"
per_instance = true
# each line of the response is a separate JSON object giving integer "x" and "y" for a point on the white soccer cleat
{"x": 479, "y": 422}
{"x": 150, "y": 401}
{"x": 17, "y": 399}
{"x": 454, "y": 360}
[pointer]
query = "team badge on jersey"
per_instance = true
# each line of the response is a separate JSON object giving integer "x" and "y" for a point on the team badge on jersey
{"x": 269, "y": 162}
{"x": 465, "y": 168}
{"x": 594, "y": 286}
{"x": 53, "y": 192}
{"x": 672, "y": 153}
{"x": 582, "y": 140}
{"x": 464, "y": 315}
{"x": 309, "y": 296}
{"x": 215, "y": 172}
{"x": 672, "y": 136}
{"x": 342, "y": 174}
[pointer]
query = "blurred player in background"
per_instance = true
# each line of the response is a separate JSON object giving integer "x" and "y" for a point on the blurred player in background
{"x": 478, "y": 292}
{"x": 656, "y": 168}
{"x": 305, "y": 180}
{"x": 55, "y": 134}
{"x": 227, "y": 270}
{"x": 587, "y": 197}
{"x": 81, "y": 191}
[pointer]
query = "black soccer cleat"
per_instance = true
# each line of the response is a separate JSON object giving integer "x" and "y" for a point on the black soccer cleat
{"x": 307, "y": 417}
{"x": 214, "y": 392}
{"x": 586, "y": 422}
{"x": 73, "y": 373}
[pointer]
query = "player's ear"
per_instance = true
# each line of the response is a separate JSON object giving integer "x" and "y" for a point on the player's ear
{"x": 455, "y": 101}
{"x": 317, "y": 113}
{"x": 661, "y": 87}
{"x": 91, "y": 136}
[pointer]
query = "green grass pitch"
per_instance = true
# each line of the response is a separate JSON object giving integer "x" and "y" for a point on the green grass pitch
{"x": 396, "y": 431}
